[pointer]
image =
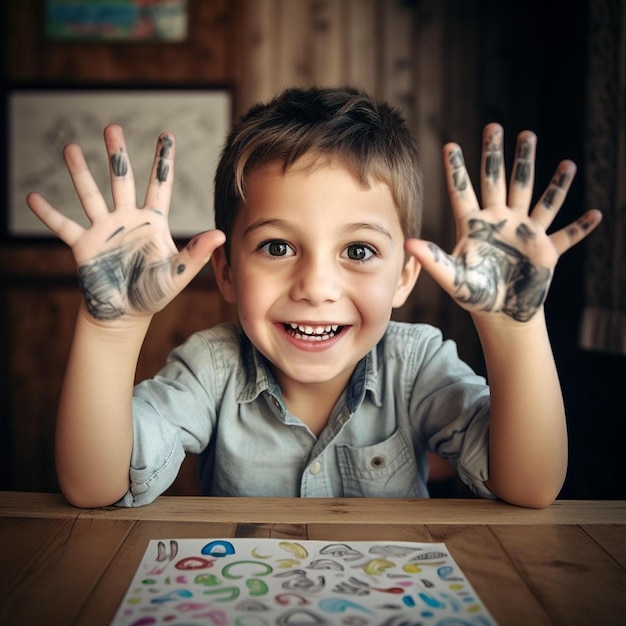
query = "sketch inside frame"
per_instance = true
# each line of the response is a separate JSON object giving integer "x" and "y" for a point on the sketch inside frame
{"x": 42, "y": 122}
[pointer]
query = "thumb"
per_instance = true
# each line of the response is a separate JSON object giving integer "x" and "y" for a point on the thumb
{"x": 195, "y": 255}
{"x": 439, "y": 264}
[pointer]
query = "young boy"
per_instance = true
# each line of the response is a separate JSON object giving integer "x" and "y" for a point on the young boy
{"x": 317, "y": 393}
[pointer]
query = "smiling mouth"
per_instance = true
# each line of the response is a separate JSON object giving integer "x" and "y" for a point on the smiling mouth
{"x": 313, "y": 333}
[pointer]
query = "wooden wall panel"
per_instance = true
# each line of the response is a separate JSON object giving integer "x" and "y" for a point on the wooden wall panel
{"x": 446, "y": 64}
{"x": 452, "y": 66}
{"x": 361, "y": 37}
{"x": 204, "y": 57}
{"x": 38, "y": 285}
{"x": 392, "y": 48}
{"x": 41, "y": 321}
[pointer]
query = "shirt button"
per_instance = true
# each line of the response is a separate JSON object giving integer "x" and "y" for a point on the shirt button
{"x": 316, "y": 467}
{"x": 378, "y": 462}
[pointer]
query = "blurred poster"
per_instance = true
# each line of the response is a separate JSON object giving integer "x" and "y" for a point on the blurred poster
{"x": 116, "y": 20}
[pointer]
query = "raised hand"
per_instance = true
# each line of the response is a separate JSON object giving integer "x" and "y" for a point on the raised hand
{"x": 128, "y": 263}
{"x": 503, "y": 260}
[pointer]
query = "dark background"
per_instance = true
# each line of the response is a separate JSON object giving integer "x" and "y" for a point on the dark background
{"x": 526, "y": 68}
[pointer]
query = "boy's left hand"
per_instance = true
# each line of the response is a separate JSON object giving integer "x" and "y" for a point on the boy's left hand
{"x": 503, "y": 260}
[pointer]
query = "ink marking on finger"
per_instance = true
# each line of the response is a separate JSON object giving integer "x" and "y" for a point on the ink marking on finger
{"x": 117, "y": 232}
{"x": 166, "y": 144}
{"x": 524, "y": 165}
{"x": 493, "y": 159}
{"x": 524, "y": 233}
{"x": 163, "y": 169}
{"x": 561, "y": 180}
{"x": 548, "y": 197}
{"x": 180, "y": 269}
{"x": 585, "y": 223}
{"x": 440, "y": 256}
{"x": 157, "y": 211}
{"x": 557, "y": 185}
{"x": 459, "y": 176}
{"x": 119, "y": 164}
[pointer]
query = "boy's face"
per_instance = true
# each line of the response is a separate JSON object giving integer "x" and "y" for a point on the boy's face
{"x": 317, "y": 264}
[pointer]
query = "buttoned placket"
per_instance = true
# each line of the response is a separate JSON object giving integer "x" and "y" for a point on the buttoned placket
{"x": 318, "y": 479}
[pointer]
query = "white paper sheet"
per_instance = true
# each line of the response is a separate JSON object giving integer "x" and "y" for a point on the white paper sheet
{"x": 262, "y": 582}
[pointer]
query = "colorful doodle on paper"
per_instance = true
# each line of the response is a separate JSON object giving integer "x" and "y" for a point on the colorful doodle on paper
{"x": 264, "y": 582}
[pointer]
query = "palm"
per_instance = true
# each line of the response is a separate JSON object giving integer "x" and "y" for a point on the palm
{"x": 132, "y": 269}
{"x": 503, "y": 260}
{"x": 502, "y": 265}
{"x": 128, "y": 264}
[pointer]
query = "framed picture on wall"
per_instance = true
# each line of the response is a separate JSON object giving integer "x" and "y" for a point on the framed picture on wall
{"x": 116, "y": 20}
{"x": 42, "y": 120}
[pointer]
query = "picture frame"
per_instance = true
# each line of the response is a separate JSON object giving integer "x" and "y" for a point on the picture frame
{"x": 163, "y": 21}
{"x": 41, "y": 120}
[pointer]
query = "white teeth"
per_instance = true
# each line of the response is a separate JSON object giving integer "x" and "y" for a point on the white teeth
{"x": 313, "y": 333}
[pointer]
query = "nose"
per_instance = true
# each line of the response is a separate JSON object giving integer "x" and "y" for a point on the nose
{"x": 316, "y": 280}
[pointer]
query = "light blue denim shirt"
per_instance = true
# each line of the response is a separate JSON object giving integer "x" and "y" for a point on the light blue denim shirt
{"x": 217, "y": 397}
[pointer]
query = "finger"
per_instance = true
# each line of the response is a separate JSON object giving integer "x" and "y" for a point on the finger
{"x": 440, "y": 265}
{"x": 522, "y": 177}
{"x": 460, "y": 189}
{"x": 86, "y": 188}
{"x": 492, "y": 182}
{"x": 194, "y": 256}
{"x": 121, "y": 172}
{"x": 64, "y": 228}
{"x": 575, "y": 232}
{"x": 553, "y": 197}
{"x": 159, "y": 193}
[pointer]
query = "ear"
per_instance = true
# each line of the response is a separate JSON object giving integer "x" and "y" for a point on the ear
{"x": 407, "y": 280}
{"x": 223, "y": 275}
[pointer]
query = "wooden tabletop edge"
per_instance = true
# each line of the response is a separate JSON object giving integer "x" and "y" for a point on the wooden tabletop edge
{"x": 322, "y": 510}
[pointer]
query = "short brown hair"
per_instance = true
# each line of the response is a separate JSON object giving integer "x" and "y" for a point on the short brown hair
{"x": 373, "y": 139}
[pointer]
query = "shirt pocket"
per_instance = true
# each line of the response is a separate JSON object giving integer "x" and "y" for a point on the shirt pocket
{"x": 384, "y": 470}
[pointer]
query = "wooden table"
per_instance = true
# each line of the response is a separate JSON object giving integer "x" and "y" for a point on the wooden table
{"x": 562, "y": 565}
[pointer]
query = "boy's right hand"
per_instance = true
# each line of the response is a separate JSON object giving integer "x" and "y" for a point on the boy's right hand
{"x": 128, "y": 263}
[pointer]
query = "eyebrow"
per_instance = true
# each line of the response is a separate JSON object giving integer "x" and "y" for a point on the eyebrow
{"x": 265, "y": 222}
{"x": 348, "y": 228}
{"x": 373, "y": 226}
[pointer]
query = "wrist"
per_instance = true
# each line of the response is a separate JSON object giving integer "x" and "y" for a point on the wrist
{"x": 502, "y": 323}
{"x": 502, "y": 337}
{"x": 125, "y": 329}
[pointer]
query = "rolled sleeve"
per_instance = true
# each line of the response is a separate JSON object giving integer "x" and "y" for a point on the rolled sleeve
{"x": 450, "y": 408}
{"x": 156, "y": 459}
{"x": 173, "y": 413}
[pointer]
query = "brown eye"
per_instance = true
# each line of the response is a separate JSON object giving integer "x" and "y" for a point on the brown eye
{"x": 359, "y": 252}
{"x": 276, "y": 248}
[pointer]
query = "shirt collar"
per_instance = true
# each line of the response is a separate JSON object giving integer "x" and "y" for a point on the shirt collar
{"x": 256, "y": 377}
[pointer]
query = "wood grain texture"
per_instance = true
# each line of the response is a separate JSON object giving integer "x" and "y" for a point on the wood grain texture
{"x": 562, "y": 565}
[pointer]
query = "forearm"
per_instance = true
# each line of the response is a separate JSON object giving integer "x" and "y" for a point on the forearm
{"x": 94, "y": 424}
{"x": 528, "y": 434}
